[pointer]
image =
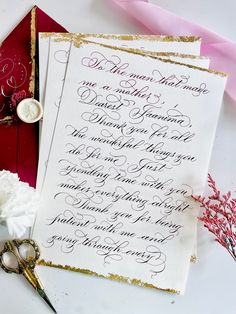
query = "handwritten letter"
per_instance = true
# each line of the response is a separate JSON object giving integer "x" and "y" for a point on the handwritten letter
{"x": 132, "y": 143}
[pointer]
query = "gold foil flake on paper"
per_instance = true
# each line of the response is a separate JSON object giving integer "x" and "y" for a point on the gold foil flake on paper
{"x": 130, "y": 37}
{"x": 58, "y": 37}
{"x": 47, "y": 35}
{"x": 193, "y": 259}
{"x": 172, "y": 54}
{"x": 65, "y": 36}
{"x": 127, "y": 37}
{"x": 33, "y": 50}
{"x": 136, "y": 282}
{"x": 76, "y": 39}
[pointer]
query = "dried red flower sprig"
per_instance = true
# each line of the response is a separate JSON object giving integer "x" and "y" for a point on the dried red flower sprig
{"x": 15, "y": 99}
{"x": 10, "y": 106}
{"x": 219, "y": 216}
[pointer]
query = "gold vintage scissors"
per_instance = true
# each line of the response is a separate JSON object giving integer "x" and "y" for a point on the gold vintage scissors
{"x": 25, "y": 266}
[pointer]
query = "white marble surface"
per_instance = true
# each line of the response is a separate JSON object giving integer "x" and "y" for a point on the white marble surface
{"x": 211, "y": 285}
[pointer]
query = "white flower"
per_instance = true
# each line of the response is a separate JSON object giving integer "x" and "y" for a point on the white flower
{"x": 18, "y": 204}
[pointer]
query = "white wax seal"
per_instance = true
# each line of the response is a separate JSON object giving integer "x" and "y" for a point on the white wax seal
{"x": 29, "y": 110}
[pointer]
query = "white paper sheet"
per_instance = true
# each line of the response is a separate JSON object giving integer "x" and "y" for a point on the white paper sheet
{"x": 132, "y": 143}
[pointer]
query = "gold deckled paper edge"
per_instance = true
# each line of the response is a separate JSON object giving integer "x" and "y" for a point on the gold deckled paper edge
{"x": 146, "y": 37}
{"x": 58, "y": 36}
{"x": 33, "y": 49}
{"x": 132, "y": 37}
{"x": 62, "y": 35}
{"x": 136, "y": 282}
{"x": 78, "y": 41}
{"x": 173, "y": 54}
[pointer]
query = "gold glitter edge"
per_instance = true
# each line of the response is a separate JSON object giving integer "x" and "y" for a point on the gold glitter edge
{"x": 136, "y": 282}
{"x": 129, "y": 37}
{"x": 173, "y": 54}
{"x": 32, "y": 50}
{"x": 146, "y": 37}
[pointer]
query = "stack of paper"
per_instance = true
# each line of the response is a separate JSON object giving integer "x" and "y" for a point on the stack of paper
{"x": 127, "y": 132}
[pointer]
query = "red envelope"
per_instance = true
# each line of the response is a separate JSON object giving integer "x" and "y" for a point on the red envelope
{"x": 18, "y": 72}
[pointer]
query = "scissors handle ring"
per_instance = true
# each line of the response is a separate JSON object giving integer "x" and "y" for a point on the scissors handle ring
{"x": 32, "y": 261}
{"x": 13, "y": 247}
{"x": 6, "y": 268}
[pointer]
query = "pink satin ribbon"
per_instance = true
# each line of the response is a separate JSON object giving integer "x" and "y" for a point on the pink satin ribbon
{"x": 221, "y": 51}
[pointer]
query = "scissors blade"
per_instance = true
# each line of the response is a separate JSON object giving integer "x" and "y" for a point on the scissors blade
{"x": 46, "y": 299}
